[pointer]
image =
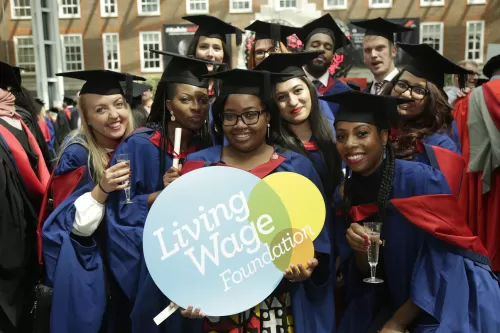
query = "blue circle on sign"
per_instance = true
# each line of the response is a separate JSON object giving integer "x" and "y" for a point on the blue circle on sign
{"x": 200, "y": 247}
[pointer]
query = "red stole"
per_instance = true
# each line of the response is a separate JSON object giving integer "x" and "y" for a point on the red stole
{"x": 45, "y": 129}
{"x": 35, "y": 184}
{"x": 331, "y": 83}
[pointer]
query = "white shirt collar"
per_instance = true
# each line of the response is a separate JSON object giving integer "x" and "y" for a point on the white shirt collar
{"x": 389, "y": 77}
{"x": 323, "y": 78}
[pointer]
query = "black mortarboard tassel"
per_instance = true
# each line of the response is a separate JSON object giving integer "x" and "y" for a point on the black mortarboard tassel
{"x": 428, "y": 64}
{"x": 287, "y": 63}
{"x": 327, "y": 25}
{"x": 213, "y": 27}
{"x": 274, "y": 31}
{"x": 381, "y": 27}
{"x": 10, "y": 76}
{"x": 247, "y": 82}
{"x": 355, "y": 106}
{"x": 101, "y": 82}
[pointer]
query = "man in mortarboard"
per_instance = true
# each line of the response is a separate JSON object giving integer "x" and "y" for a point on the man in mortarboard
{"x": 269, "y": 38}
{"x": 379, "y": 51}
{"x": 23, "y": 178}
{"x": 323, "y": 34}
{"x": 478, "y": 121}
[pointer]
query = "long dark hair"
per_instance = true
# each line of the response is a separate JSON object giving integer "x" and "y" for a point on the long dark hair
{"x": 218, "y": 110}
{"x": 436, "y": 117}
{"x": 323, "y": 136}
{"x": 159, "y": 117}
{"x": 386, "y": 183}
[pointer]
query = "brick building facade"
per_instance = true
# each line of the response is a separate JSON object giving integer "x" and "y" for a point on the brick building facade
{"x": 112, "y": 34}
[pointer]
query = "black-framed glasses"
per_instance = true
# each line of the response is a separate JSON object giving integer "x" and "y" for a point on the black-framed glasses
{"x": 261, "y": 54}
{"x": 248, "y": 118}
{"x": 416, "y": 92}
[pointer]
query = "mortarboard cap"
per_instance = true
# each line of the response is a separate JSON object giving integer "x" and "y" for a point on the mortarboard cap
{"x": 381, "y": 27}
{"x": 491, "y": 66}
{"x": 185, "y": 69}
{"x": 287, "y": 63}
{"x": 39, "y": 101}
{"x": 68, "y": 100}
{"x": 100, "y": 81}
{"x": 248, "y": 82}
{"x": 10, "y": 76}
{"x": 274, "y": 31}
{"x": 428, "y": 64}
{"x": 327, "y": 25}
{"x": 137, "y": 88}
{"x": 356, "y": 106}
{"x": 213, "y": 27}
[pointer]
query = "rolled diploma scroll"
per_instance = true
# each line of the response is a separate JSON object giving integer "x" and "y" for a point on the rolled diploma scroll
{"x": 177, "y": 147}
{"x": 160, "y": 318}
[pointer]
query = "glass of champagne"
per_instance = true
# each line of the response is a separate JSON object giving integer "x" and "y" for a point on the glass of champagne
{"x": 125, "y": 158}
{"x": 373, "y": 231}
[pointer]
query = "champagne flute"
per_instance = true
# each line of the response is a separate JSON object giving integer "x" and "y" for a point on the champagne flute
{"x": 373, "y": 231}
{"x": 125, "y": 158}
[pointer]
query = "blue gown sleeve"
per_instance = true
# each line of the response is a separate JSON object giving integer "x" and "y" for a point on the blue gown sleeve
{"x": 73, "y": 265}
{"x": 442, "y": 140}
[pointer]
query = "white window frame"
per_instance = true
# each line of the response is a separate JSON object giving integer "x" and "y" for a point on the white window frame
{"x": 16, "y": 49}
{"x": 431, "y": 3}
{"x": 141, "y": 53}
{"x": 476, "y": 2}
{"x": 63, "y": 46}
{"x": 334, "y": 7}
{"x": 13, "y": 10}
{"x": 69, "y": 16}
{"x": 233, "y": 10}
{"x": 104, "y": 4}
{"x": 481, "y": 53}
{"x": 441, "y": 33}
{"x": 196, "y": 12}
{"x": 105, "y": 51}
{"x": 379, "y": 5}
{"x": 279, "y": 8}
{"x": 141, "y": 13}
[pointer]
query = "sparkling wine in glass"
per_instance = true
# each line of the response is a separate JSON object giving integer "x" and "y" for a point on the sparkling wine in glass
{"x": 125, "y": 158}
{"x": 373, "y": 231}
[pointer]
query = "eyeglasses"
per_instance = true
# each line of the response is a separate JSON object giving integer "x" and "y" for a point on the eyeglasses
{"x": 248, "y": 118}
{"x": 416, "y": 92}
{"x": 261, "y": 54}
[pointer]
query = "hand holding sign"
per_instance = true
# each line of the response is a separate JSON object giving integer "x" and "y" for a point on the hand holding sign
{"x": 231, "y": 240}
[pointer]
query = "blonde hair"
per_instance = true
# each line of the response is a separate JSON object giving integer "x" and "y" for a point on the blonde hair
{"x": 251, "y": 55}
{"x": 98, "y": 159}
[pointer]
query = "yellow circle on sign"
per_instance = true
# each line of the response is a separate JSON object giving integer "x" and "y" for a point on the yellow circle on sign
{"x": 303, "y": 201}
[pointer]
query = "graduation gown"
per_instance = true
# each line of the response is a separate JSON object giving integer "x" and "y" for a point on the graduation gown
{"x": 125, "y": 225}
{"x": 334, "y": 86}
{"x": 73, "y": 264}
{"x": 477, "y": 117}
{"x": 312, "y": 303}
{"x": 17, "y": 238}
{"x": 429, "y": 254}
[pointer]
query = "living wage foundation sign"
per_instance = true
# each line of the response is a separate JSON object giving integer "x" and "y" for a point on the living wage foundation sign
{"x": 219, "y": 238}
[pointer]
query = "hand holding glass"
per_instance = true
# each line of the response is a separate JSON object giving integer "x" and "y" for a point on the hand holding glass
{"x": 373, "y": 231}
{"x": 125, "y": 158}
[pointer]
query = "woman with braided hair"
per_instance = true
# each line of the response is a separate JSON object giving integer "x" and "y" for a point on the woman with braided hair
{"x": 436, "y": 273}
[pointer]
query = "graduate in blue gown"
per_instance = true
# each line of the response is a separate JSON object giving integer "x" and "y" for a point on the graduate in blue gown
{"x": 428, "y": 118}
{"x": 304, "y": 128}
{"x": 244, "y": 114}
{"x": 436, "y": 274}
{"x": 181, "y": 101}
{"x": 72, "y": 237}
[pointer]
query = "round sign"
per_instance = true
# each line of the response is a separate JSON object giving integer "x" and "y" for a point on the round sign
{"x": 219, "y": 238}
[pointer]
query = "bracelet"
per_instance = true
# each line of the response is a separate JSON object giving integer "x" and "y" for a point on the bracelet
{"x": 102, "y": 188}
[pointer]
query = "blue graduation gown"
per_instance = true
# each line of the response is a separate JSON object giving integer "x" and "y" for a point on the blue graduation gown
{"x": 337, "y": 87}
{"x": 442, "y": 140}
{"x": 312, "y": 304}
{"x": 455, "y": 136}
{"x": 73, "y": 264}
{"x": 125, "y": 226}
{"x": 429, "y": 255}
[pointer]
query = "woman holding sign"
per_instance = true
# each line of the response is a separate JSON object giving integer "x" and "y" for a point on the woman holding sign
{"x": 181, "y": 103}
{"x": 245, "y": 114}
{"x": 72, "y": 239}
{"x": 435, "y": 273}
